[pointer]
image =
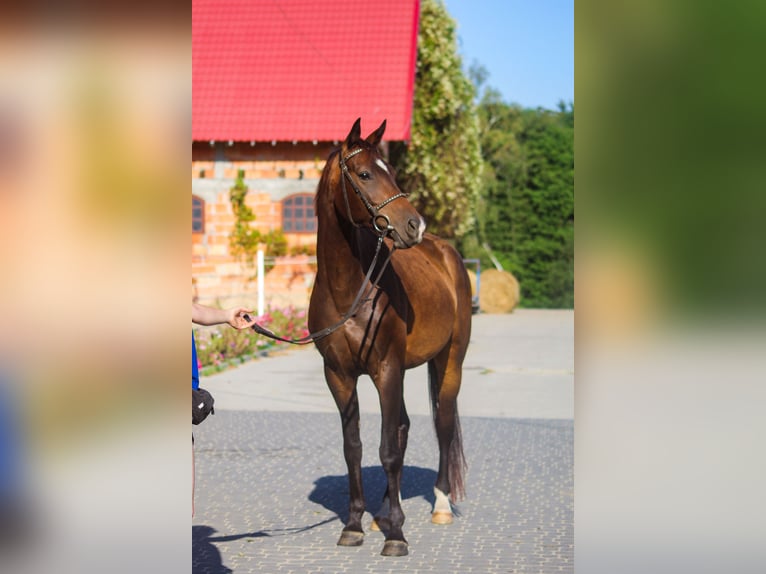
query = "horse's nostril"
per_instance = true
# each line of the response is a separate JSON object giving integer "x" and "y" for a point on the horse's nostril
{"x": 413, "y": 224}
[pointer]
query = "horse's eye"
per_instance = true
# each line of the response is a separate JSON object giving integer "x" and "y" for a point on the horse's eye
{"x": 365, "y": 175}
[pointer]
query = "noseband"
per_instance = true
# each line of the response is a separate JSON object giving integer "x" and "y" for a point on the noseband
{"x": 374, "y": 210}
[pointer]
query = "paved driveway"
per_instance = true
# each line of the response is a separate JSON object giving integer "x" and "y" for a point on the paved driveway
{"x": 271, "y": 481}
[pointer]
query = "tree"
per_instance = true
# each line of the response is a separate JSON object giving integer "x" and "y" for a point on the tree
{"x": 243, "y": 239}
{"x": 441, "y": 165}
{"x": 530, "y": 156}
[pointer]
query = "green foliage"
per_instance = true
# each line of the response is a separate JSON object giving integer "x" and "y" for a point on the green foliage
{"x": 243, "y": 239}
{"x": 275, "y": 242}
{"x": 307, "y": 249}
{"x": 527, "y": 212}
{"x": 491, "y": 175}
{"x": 441, "y": 165}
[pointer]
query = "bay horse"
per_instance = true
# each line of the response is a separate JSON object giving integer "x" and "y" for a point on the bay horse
{"x": 417, "y": 310}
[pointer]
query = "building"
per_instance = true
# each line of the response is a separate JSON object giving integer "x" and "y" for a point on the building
{"x": 276, "y": 85}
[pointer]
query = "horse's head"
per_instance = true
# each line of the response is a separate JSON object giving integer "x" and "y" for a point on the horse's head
{"x": 370, "y": 195}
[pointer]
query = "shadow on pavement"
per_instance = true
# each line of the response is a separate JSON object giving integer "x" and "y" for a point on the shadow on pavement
{"x": 206, "y": 558}
{"x": 332, "y": 491}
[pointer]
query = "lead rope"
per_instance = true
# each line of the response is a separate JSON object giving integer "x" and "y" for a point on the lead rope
{"x": 361, "y": 296}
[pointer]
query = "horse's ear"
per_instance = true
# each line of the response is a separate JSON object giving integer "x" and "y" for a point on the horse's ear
{"x": 354, "y": 134}
{"x": 374, "y": 138}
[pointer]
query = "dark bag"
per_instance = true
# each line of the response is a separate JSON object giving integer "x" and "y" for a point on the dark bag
{"x": 202, "y": 405}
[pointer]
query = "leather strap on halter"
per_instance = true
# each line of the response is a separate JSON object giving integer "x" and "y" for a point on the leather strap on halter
{"x": 373, "y": 210}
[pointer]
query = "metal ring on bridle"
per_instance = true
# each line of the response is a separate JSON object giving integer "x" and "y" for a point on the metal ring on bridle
{"x": 380, "y": 229}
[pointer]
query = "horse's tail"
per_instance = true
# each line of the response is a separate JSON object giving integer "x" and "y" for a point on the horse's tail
{"x": 457, "y": 464}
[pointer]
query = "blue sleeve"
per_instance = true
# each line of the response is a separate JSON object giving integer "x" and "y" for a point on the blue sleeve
{"x": 10, "y": 449}
{"x": 195, "y": 370}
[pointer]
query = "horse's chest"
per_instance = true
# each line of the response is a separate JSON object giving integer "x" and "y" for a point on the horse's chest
{"x": 366, "y": 340}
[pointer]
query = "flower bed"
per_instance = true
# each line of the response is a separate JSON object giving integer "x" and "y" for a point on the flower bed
{"x": 219, "y": 348}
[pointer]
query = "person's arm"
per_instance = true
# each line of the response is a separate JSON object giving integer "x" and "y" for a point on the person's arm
{"x": 203, "y": 315}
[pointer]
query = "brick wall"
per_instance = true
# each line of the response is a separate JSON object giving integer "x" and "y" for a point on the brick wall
{"x": 272, "y": 172}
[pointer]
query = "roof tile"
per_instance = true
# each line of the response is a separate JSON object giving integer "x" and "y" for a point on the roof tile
{"x": 287, "y": 70}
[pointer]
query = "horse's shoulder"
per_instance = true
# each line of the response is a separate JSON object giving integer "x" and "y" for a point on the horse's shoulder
{"x": 435, "y": 247}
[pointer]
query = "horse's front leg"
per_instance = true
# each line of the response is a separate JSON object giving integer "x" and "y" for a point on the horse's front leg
{"x": 343, "y": 390}
{"x": 380, "y": 522}
{"x": 390, "y": 389}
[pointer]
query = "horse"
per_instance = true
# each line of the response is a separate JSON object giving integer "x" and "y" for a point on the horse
{"x": 417, "y": 310}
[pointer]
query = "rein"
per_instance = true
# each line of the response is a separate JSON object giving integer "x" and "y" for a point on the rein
{"x": 382, "y": 231}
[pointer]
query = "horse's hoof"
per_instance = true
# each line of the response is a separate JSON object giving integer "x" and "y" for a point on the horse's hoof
{"x": 441, "y": 517}
{"x": 351, "y": 538}
{"x": 394, "y": 548}
{"x": 379, "y": 524}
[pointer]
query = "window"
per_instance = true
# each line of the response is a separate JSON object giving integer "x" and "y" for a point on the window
{"x": 198, "y": 215}
{"x": 298, "y": 214}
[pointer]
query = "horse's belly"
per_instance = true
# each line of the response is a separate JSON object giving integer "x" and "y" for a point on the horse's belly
{"x": 430, "y": 329}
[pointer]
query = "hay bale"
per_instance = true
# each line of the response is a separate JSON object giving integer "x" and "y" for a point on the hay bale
{"x": 498, "y": 291}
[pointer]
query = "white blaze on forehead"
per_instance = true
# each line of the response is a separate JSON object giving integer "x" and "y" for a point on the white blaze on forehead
{"x": 382, "y": 165}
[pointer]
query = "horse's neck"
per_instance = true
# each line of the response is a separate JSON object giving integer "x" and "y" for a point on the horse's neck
{"x": 338, "y": 259}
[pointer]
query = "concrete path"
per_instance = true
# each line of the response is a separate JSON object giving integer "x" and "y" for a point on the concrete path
{"x": 518, "y": 365}
{"x": 272, "y": 490}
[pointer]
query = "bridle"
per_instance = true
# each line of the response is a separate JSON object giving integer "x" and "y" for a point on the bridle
{"x": 381, "y": 230}
{"x": 373, "y": 210}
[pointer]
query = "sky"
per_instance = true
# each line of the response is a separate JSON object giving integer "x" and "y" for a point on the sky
{"x": 527, "y": 46}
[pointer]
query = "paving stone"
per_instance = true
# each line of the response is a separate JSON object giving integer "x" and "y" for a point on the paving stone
{"x": 272, "y": 491}
{"x": 272, "y": 497}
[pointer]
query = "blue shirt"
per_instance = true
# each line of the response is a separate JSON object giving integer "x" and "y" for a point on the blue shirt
{"x": 195, "y": 371}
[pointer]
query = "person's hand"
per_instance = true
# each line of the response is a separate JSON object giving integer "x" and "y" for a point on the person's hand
{"x": 236, "y": 318}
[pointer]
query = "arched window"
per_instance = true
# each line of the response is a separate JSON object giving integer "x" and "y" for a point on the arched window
{"x": 198, "y": 215}
{"x": 298, "y": 214}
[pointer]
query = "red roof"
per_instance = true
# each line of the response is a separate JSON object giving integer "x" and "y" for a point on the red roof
{"x": 303, "y": 70}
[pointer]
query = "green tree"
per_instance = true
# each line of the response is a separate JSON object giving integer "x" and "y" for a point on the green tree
{"x": 243, "y": 239}
{"x": 530, "y": 185}
{"x": 441, "y": 165}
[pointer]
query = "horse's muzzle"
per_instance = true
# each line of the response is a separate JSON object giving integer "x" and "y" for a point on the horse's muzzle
{"x": 412, "y": 234}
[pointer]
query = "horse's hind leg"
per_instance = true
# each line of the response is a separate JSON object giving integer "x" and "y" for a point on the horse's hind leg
{"x": 445, "y": 373}
{"x": 343, "y": 390}
{"x": 381, "y": 518}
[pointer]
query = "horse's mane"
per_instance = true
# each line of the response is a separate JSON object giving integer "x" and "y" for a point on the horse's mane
{"x": 324, "y": 179}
